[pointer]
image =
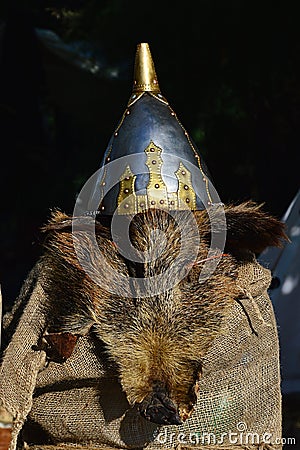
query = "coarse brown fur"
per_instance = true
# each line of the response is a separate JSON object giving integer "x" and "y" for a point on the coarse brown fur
{"x": 159, "y": 337}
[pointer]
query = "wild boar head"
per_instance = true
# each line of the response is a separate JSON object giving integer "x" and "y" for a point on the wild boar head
{"x": 157, "y": 341}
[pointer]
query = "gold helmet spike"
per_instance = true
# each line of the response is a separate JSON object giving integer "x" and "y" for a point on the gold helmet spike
{"x": 145, "y": 78}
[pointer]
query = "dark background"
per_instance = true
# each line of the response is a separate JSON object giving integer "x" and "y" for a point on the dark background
{"x": 230, "y": 69}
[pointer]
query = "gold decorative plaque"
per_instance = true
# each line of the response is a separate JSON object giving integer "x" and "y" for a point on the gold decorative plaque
{"x": 157, "y": 195}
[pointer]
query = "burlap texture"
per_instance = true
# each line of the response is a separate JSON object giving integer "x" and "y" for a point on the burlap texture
{"x": 81, "y": 402}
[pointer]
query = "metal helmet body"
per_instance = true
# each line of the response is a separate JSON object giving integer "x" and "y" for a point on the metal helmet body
{"x": 150, "y": 161}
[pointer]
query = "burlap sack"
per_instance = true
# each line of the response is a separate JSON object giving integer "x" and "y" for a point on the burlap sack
{"x": 80, "y": 404}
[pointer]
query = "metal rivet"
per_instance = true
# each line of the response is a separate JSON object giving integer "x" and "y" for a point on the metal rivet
{"x": 186, "y": 133}
{"x": 172, "y": 202}
{"x": 186, "y": 187}
{"x": 161, "y": 202}
{"x": 156, "y": 186}
{"x": 133, "y": 96}
{"x": 172, "y": 113}
{"x": 116, "y": 133}
{"x": 152, "y": 149}
{"x": 187, "y": 200}
{"x": 126, "y": 191}
{"x": 108, "y": 159}
{"x": 142, "y": 205}
{"x": 134, "y": 82}
{"x": 204, "y": 179}
{"x": 155, "y": 81}
{"x": 102, "y": 208}
{"x": 152, "y": 202}
{"x": 183, "y": 172}
{"x": 127, "y": 112}
{"x": 154, "y": 162}
{"x": 126, "y": 206}
{"x": 159, "y": 95}
{"x": 127, "y": 178}
{"x": 103, "y": 183}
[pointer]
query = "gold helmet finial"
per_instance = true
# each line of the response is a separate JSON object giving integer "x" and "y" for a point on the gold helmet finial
{"x": 145, "y": 79}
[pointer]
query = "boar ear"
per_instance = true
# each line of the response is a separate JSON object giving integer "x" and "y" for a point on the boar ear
{"x": 250, "y": 229}
{"x": 60, "y": 222}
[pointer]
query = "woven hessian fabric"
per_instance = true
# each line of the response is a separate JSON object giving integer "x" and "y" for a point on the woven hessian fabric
{"x": 80, "y": 405}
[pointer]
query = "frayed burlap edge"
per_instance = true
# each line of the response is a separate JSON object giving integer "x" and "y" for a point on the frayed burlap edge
{"x": 16, "y": 398}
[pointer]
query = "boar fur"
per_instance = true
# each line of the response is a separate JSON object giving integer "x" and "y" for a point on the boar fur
{"x": 156, "y": 342}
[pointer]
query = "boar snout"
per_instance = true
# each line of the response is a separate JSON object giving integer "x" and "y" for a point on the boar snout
{"x": 158, "y": 408}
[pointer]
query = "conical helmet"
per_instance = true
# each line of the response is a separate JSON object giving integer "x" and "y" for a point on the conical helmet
{"x": 150, "y": 161}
